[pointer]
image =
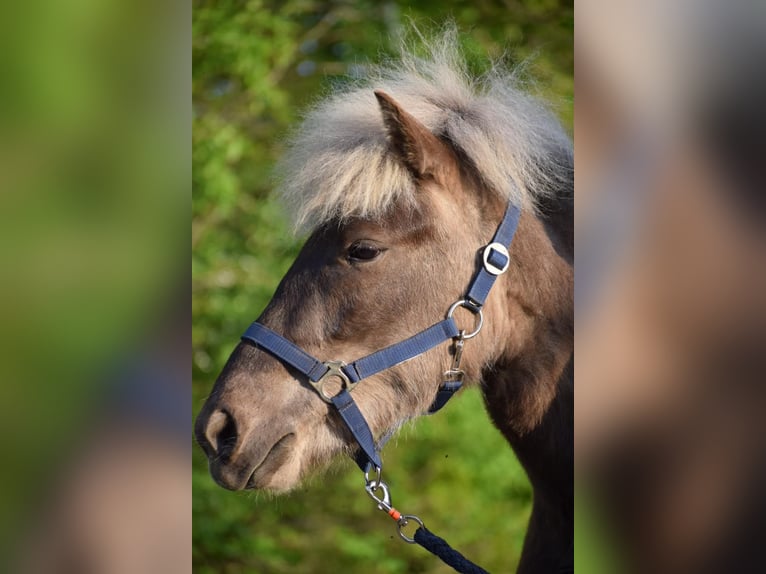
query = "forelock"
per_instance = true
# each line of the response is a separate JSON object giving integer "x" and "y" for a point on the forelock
{"x": 338, "y": 163}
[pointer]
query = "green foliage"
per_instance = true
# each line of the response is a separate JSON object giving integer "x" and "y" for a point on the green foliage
{"x": 256, "y": 65}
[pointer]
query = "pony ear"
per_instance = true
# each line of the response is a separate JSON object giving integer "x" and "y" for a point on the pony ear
{"x": 419, "y": 149}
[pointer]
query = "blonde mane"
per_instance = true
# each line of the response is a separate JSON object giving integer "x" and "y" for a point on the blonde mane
{"x": 338, "y": 163}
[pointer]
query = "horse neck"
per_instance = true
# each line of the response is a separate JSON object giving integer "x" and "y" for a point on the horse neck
{"x": 546, "y": 450}
{"x": 529, "y": 388}
{"x": 533, "y": 326}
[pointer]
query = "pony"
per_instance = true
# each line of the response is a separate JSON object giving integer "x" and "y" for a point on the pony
{"x": 399, "y": 179}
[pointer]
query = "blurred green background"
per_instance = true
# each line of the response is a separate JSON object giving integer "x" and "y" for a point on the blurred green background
{"x": 256, "y": 66}
{"x": 94, "y": 169}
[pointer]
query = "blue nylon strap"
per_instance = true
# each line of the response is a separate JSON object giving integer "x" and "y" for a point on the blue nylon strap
{"x": 352, "y": 416}
{"x": 498, "y": 259}
{"x": 285, "y": 351}
{"x": 484, "y": 280}
{"x": 444, "y": 394}
{"x": 402, "y": 351}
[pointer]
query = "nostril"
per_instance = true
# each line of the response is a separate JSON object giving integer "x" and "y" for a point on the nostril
{"x": 221, "y": 433}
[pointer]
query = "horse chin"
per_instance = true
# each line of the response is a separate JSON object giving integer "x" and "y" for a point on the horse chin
{"x": 279, "y": 471}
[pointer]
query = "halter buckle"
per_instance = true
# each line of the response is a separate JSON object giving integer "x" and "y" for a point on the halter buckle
{"x": 334, "y": 369}
{"x": 489, "y": 265}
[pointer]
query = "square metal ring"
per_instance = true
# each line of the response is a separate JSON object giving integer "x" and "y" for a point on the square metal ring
{"x": 334, "y": 369}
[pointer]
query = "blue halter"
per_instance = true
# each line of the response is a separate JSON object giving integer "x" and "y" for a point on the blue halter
{"x": 495, "y": 262}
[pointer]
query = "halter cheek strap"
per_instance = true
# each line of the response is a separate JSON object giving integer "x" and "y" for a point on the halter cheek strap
{"x": 495, "y": 258}
{"x": 495, "y": 262}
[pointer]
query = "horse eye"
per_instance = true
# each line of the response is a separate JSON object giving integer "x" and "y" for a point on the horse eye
{"x": 363, "y": 251}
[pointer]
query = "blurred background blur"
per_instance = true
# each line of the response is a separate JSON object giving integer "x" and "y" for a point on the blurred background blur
{"x": 670, "y": 286}
{"x": 94, "y": 360}
{"x": 257, "y": 65}
{"x": 94, "y": 355}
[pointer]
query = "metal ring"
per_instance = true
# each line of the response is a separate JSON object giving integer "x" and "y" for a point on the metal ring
{"x": 378, "y": 472}
{"x": 475, "y": 310}
{"x": 404, "y": 521}
{"x": 334, "y": 369}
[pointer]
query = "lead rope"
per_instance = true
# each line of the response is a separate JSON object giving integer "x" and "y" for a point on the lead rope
{"x": 422, "y": 536}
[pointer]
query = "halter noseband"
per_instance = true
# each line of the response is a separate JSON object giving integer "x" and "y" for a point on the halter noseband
{"x": 495, "y": 262}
